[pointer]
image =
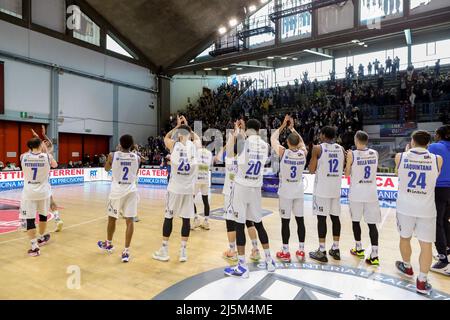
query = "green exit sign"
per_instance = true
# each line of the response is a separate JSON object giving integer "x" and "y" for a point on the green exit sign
{"x": 24, "y": 115}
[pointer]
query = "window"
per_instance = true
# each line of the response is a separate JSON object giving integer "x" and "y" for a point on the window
{"x": 114, "y": 46}
{"x": 426, "y": 54}
{"x": 206, "y": 51}
{"x": 419, "y": 6}
{"x": 87, "y": 31}
{"x": 258, "y": 20}
{"x": 372, "y": 12}
{"x": 11, "y": 7}
{"x": 298, "y": 25}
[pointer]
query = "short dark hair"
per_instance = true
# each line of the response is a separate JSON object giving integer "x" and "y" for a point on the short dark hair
{"x": 126, "y": 141}
{"x": 184, "y": 130}
{"x": 444, "y": 132}
{"x": 362, "y": 137}
{"x": 421, "y": 138}
{"x": 293, "y": 139}
{"x": 329, "y": 132}
{"x": 34, "y": 143}
{"x": 254, "y": 125}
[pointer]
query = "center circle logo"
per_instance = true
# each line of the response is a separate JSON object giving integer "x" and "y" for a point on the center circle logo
{"x": 297, "y": 281}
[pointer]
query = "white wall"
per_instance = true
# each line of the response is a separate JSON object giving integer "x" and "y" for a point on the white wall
{"x": 27, "y": 88}
{"x": 184, "y": 87}
{"x": 135, "y": 115}
{"x": 31, "y": 44}
{"x": 87, "y": 99}
{"x": 84, "y": 103}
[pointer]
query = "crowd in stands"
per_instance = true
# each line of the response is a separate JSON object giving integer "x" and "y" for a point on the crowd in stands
{"x": 314, "y": 104}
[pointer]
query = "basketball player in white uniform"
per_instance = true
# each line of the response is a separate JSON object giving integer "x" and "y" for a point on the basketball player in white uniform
{"x": 231, "y": 168}
{"x": 181, "y": 186}
{"x": 327, "y": 163}
{"x": 202, "y": 185}
{"x": 418, "y": 170}
{"x": 291, "y": 189}
{"x": 36, "y": 165}
{"x": 362, "y": 165}
{"x": 246, "y": 196}
{"x": 124, "y": 197}
{"x": 53, "y": 206}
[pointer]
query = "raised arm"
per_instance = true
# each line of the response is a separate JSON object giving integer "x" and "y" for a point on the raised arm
{"x": 302, "y": 143}
{"x": 275, "y": 138}
{"x": 168, "y": 141}
{"x": 108, "y": 164}
{"x": 398, "y": 157}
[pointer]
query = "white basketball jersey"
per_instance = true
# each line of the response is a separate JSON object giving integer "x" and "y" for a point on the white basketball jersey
{"x": 292, "y": 165}
{"x": 231, "y": 168}
{"x": 204, "y": 162}
{"x": 183, "y": 168}
{"x": 417, "y": 175}
{"x": 330, "y": 166}
{"x": 251, "y": 162}
{"x": 363, "y": 177}
{"x": 125, "y": 168}
{"x": 36, "y": 170}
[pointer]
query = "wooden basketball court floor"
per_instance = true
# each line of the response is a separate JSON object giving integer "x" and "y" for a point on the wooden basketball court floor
{"x": 104, "y": 276}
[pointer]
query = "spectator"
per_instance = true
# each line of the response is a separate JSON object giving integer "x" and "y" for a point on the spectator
{"x": 1, "y": 166}
{"x": 376, "y": 65}
{"x": 369, "y": 68}
{"x": 388, "y": 65}
{"x": 437, "y": 68}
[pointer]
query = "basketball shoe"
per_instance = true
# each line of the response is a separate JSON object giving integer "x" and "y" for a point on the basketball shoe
{"x": 255, "y": 256}
{"x": 239, "y": 271}
{"x": 161, "y": 255}
{"x": 230, "y": 256}
{"x": 404, "y": 270}
{"x": 43, "y": 240}
{"x": 183, "y": 255}
{"x": 357, "y": 253}
{"x": 423, "y": 287}
{"x": 34, "y": 252}
{"x": 105, "y": 246}
{"x": 125, "y": 256}
{"x": 300, "y": 255}
{"x": 318, "y": 255}
{"x": 284, "y": 256}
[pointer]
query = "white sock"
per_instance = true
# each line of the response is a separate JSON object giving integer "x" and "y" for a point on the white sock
{"x": 422, "y": 276}
{"x": 183, "y": 244}
{"x": 358, "y": 245}
{"x": 232, "y": 246}
{"x": 301, "y": 246}
{"x": 285, "y": 248}
{"x": 255, "y": 244}
{"x": 267, "y": 254}
{"x": 165, "y": 245}
{"x": 374, "y": 252}
{"x": 335, "y": 245}
{"x": 34, "y": 244}
{"x": 241, "y": 260}
{"x": 407, "y": 264}
{"x": 206, "y": 219}
{"x": 322, "y": 246}
{"x": 56, "y": 214}
{"x": 126, "y": 250}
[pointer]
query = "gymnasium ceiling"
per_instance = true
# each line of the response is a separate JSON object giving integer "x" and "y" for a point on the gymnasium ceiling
{"x": 169, "y": 31}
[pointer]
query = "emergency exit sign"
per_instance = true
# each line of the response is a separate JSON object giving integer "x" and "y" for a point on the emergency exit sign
{"x": 24, "y": 115}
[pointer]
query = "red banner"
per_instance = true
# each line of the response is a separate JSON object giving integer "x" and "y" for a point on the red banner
{"x": 2, "y": 88}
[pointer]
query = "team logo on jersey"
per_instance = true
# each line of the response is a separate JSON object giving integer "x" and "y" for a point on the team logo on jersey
{"x": 298, "y": 281}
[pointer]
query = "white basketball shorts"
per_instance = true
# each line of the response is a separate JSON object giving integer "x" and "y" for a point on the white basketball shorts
{"x": 126, "y": 206}
{"x": 181, "y": 205}
{"x": 370, "y": 210}
{"x": 246, "y": 203}
{"x": 289, "y": 206}
{"x": 423, "y": 228}
{"x": 326, "y": 206}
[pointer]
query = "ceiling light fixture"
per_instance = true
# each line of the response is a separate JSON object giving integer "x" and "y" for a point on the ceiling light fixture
{"x": 224, "y": 69}
{"x": 270, "y": 58}
{"x": 208, "y": 69}
{"x": 222, "y": 30}
{"x": 295, "y": 59}
{"x": 233, "y": 22}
